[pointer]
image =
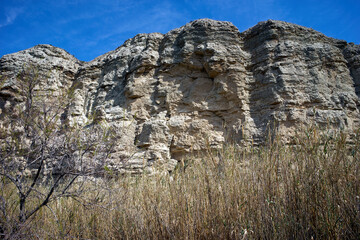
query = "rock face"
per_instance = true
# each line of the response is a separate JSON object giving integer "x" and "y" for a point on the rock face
{"x": 203, "y": 85}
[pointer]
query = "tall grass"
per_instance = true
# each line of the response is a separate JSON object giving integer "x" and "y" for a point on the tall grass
{"x": 310, "y": 189}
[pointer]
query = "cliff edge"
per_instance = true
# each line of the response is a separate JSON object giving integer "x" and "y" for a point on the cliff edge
{"x": 202, "y": 85}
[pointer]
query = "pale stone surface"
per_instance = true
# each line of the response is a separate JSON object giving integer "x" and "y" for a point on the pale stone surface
{"x": 203, "y": 85}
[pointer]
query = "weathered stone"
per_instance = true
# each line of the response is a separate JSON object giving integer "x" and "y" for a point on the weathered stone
{"x": 202, "y": 85}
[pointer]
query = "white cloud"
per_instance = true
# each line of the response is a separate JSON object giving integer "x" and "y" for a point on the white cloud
{"x": 158, "y": 18}
{"x": 11, "y": 14}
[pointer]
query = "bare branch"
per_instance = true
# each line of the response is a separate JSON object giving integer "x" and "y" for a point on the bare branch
{"x": 46, "y": 200}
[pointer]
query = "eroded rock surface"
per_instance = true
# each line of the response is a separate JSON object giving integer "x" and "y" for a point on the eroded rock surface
{"x": 203, "y": 85}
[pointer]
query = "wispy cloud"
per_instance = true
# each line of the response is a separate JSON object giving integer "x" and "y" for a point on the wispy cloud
{"x": 11, "y": 14}
{"x": 158, "y": 18}
{"x": 104, "y": 8}
{"x": 120, "y": 27}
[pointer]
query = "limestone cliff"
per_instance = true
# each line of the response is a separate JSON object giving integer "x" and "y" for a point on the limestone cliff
{"x": 202, "y": 85}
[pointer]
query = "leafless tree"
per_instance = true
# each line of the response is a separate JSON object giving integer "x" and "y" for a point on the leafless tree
{"x": 41, "y": 155}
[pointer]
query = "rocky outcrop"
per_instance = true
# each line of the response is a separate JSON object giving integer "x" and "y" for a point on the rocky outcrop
{"x": 55, "y": 69}
{"x": 202, "y": 85}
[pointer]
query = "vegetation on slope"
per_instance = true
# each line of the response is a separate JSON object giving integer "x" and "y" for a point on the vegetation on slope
{"x": 308, "y": 190}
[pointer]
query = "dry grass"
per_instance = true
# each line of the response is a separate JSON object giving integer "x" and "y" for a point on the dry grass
{"x": 308, "y": 190}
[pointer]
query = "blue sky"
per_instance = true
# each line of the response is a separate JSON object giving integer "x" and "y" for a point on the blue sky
{"x": 89, "y": 28}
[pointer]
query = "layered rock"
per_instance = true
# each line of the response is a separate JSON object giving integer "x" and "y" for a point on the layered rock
{"x": 202, "y": 85}
{"x": 55, "y": 68}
